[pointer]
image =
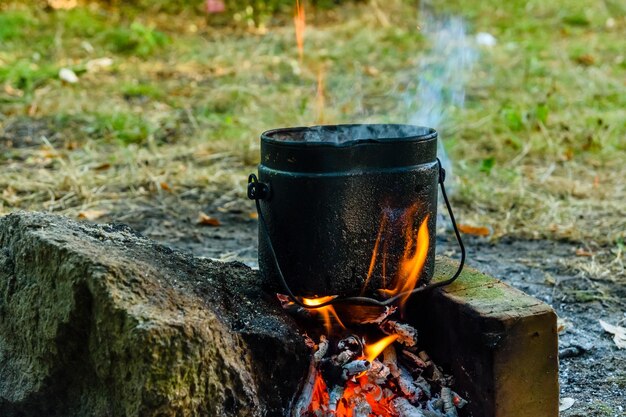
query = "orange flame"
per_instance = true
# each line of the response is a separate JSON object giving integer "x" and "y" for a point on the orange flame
{"x": 413, "y": 257}
{"x": 370, "y": 270}
{"x": 299, "y": 21}
{"x": 373, "y": 350}
{"x": 320, "y": 395}
{"x": 327, "y": 312}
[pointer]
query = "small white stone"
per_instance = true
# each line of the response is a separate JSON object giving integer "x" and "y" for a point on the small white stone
{"x": 67, "y": 75}
{"x": 610, "y": 23}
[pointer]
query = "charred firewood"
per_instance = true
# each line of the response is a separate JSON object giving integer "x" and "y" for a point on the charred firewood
{"x": 344, "y": 357}
{"x": 383, "y": 316}
{"x": 304, "y": 400}
{"x": 414, "y": 360}
{"x": 407, "y": 335}
{"x": 458, "y": 401}
{"x": 448, "y": 398}
{"x": 322, "y": 349}
{"x": 374, "y": 390}
{"x": 335, "y": 395}
{"x": 378, "y": 372}
{"x": 422, "y": 384}
{"x": 429, "y": 413}
{"x": 407, "y": 385}
{"x": 434, "y": 374}
{"x": 360, "y": 406}
{"x": 353, "y": 343}
{"x": 354, "y": 368}
{"x": 404, "y": 408}
{"x": 390, "y": 360}
{"x": 310, "y": 343}
{"x": 435, "y": 406}
{"x": 350, "y": 348}
{"x": 408, "y": 381}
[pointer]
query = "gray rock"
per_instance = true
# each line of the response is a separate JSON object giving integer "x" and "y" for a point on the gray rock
{"x": 96, "y": 320}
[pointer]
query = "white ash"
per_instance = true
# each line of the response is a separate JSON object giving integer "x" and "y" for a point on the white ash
{"x": 404, "y": 408}
{"x": 390, "y": 359}
{"x": 407, "y": 335}
{"x": 378, "y": 372}
{"x": 353, "y": 368}
{"x": 360, "y": 407}
{"x": 407, "y": 385}
{"x": 335, "y": 395}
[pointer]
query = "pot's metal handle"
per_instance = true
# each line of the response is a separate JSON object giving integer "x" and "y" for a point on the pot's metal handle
{"x": 258, "y": 191}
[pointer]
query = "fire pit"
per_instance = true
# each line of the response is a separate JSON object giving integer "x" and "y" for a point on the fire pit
{"x": 347, "y": 241}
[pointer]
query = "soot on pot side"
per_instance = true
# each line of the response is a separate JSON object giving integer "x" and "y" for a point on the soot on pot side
{"x": 336, "y": 192}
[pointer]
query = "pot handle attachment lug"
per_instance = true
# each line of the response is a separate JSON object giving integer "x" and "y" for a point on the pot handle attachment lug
{"x": 258, "y": 191}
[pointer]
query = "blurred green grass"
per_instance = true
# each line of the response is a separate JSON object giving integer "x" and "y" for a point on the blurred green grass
{"x": 538, "y": 150}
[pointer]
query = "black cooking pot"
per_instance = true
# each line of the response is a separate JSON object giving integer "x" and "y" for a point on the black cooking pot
{"x": 322, "y": 193}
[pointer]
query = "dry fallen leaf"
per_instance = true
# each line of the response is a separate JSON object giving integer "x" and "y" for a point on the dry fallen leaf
{"x": 585, "y": 59}
{"x": 165, "y": 186}
{"x": 206, "y": 220}
{"x": 102, "y": 167}
{"x": 474, "y": 230}
{"x": 618, "y": 332}
{"x": 372, "y": 71}
{"x": 566, "y": 403}
{"x": 583, "y": 252}
{"x": 561, "y": 325}
{"x": 254, "y": 215}
{"x": 91, "y": 214}
{"x": 13, "y": 91}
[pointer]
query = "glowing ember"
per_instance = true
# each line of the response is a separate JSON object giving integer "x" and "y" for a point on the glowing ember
{"x": 350, "y": 380}
{"x": 299, "y": 21}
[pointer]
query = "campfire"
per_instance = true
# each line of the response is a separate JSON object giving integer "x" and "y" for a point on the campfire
{"x": 357, "y": 375}
{"x": 373, "y": 365}
{"x": 346, "y": 223}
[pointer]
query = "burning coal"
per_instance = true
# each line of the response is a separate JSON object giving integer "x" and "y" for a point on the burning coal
{"x": 392, "y": 376}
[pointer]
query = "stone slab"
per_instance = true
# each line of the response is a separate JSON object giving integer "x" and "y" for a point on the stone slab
{"x": 98, "y": 321}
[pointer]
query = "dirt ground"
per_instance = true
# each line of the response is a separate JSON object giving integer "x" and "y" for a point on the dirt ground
{"x": 592, "y": 369}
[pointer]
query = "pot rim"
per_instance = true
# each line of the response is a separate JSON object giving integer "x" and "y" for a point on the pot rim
{"x": 414, "y": 133}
